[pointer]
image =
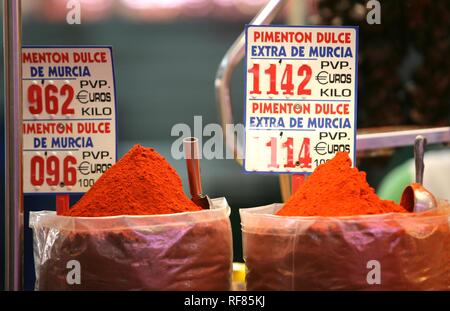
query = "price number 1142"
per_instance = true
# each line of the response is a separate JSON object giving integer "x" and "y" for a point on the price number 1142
{"x": 286, "y": 84}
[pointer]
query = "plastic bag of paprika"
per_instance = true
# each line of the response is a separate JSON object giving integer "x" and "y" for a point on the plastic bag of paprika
{"x": 181, "y": 251}
{"x": 394, "y": 251}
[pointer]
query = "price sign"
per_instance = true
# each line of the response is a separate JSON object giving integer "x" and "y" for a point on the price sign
{"x": 300, "y": 98}
{"x": 69, "y": 117}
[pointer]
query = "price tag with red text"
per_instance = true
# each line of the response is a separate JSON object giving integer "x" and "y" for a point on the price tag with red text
{"x": 300, "y": 97}
{"x": 69, "y": 118}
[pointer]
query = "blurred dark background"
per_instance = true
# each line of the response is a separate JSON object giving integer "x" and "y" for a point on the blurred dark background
{"x": 166, "y": 57}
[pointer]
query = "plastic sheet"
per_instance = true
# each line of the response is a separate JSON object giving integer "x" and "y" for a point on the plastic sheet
{"x": 185, "y": 251}
{"x": 398, "y": 251}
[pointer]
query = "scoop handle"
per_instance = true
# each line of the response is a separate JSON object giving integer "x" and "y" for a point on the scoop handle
{"x": 419, "y": 150}
{"x": 191, "y": 153}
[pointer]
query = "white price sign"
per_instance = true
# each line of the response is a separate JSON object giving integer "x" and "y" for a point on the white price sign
{"x": 300, "y": 97}
{"x": 69, "y": 117}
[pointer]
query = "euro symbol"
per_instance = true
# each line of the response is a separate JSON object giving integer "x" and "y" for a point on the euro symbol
{"x": 321, "y": 148}
{"x": 84, "y": 168}
{"x": 322, "y": 77}
{"x": 82, "y": 97}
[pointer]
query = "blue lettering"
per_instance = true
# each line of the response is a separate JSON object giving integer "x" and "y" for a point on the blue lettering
{"x": 68, "y": 72}
{"x": 327, "y": 51}
{"x": 337, "y": 123}
{"x": 72, "y": 142}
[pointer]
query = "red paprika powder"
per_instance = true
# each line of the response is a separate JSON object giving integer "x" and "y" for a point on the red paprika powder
{"x": 141, "y": 183}
{"x": 337, "y": 189}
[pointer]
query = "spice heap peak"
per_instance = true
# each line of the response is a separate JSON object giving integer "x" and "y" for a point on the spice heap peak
{"x": 141, "y": 183}
{"x": 337, "y": 189}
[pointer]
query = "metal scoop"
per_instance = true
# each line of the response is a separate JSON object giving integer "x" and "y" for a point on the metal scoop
{"x": 415, "y": 198}
{"x": 191, "y": 153}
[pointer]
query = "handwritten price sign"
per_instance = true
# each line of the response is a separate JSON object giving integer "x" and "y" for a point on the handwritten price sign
{"x": 300, "y": 100}
{"x": 69, "y": 117}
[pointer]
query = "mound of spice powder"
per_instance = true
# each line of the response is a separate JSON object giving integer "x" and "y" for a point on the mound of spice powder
{"x": 337, "y": 189}
{"x": 142, "y": 182}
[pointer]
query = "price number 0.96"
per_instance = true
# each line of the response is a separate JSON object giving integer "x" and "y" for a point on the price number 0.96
{"x": 52, "y": 171}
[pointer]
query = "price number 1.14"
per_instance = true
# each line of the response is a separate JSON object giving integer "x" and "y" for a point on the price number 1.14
{"x": 301, "y": 160}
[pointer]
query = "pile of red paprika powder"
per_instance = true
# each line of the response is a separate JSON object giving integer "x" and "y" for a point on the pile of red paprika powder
{"x": 337, "y": 189}
{"x": 141, "y": 183}
{"x": 344, "y": 228}
{"x": 158, "y": 247}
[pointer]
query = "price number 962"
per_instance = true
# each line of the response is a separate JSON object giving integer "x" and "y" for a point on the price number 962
{"x": 47, "y": 99}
